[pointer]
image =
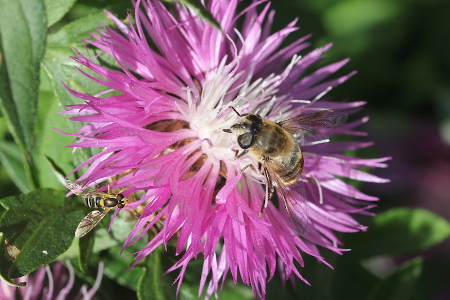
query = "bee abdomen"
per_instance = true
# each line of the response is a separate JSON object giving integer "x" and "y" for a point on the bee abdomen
{"x": 293, "y": 163}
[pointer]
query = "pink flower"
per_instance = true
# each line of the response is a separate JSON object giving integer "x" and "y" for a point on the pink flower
{"x": 56, "y": 287}
{"x": 163, "y": 134}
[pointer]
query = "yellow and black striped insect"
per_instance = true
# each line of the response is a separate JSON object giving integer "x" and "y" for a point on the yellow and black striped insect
{"x": 93, "y": 199}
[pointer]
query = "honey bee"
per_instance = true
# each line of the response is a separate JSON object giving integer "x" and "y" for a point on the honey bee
{"x": 93, "y": 199}
{"x": 276, "y": 148}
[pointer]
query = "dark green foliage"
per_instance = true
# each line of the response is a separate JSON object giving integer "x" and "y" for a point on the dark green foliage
{"x": 40, "y": 225}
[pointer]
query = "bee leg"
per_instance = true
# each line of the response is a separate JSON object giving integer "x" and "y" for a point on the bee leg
{"x": 236, "y": 155}
{"x": 270, "y": 187}
{"x": 251, "y": 167}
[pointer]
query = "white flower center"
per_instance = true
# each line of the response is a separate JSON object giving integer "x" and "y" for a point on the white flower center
{"x": 209, "y": 111}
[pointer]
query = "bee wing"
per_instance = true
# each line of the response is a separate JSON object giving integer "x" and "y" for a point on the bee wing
{"x": 89, "y": 222}
{"x": 293, "y": 196}
{"x": 316, "y": 126}
{"x": 79, "y": 188}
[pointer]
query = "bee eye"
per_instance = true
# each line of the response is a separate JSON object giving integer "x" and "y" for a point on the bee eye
{"x": 245, "y": 140}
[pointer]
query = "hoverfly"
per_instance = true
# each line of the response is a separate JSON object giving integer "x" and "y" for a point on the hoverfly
{"x": 276, "y": 147}
{"x": 93, "y": 199}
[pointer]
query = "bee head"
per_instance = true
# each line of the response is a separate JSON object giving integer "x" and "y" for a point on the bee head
{"x": 246, "y": 129}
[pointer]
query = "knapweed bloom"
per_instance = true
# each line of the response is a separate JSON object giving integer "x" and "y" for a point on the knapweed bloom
{"x": 159, "y": 127}
{"x": 57, "y": 285}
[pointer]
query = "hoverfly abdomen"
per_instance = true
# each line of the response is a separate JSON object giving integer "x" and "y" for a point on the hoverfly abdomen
{"x": 103, "y": 200}
{"x": 93, "y": 200}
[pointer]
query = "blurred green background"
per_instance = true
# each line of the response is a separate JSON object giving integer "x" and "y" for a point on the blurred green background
{"x": 400, "y": 50}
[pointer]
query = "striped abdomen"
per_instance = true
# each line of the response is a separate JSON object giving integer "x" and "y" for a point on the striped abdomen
{"x": 100, "y": 200}
{"x": 292, "y": 165}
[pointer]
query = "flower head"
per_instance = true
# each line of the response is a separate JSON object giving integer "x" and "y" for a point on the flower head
{"x": 163, "y": 133}
{"x": 57, "y": 286}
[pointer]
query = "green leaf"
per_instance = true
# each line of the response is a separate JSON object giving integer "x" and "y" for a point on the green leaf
{"x": 56, "y": 9}
{"x": 352, "y": 17}
{"x": 117, "y": 265}
{"x": 23, "y": 32}
{"x": 40, "y": 225}
{"x": 103, "y": 238}
{"x": 232, "y": 290}
{"x": 352, "y": 280}
{"x": 59, "y": 67}
{"x": 72, "y": 33}
{"x": 86, "y": 247}
{"x": 399, "y": 230}
{"x": 9, "y": 254}
{"x": 57, "y": 171}
{"x": 11, "y": 158}
{"x": 198, "y": 7}
{"x": 153, "y": 284}
{"x": 51, "y": 160}
{"x": 401, "y": 285}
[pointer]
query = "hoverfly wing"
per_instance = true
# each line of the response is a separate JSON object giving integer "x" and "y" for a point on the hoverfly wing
{"x": 79, "y": 188}
{"x": 293, "y": 196}
{"x": 316, "y": 126}
{"x": 89, "y": 222}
